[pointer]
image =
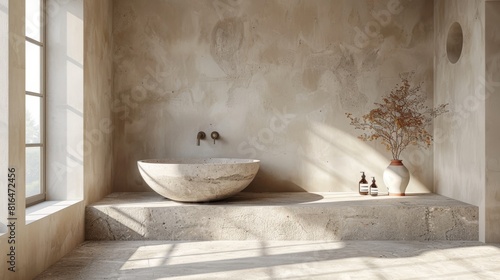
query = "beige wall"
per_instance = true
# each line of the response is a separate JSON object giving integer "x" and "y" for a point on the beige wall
{"x": 97, "y": 101}
{"x": 48, "y": 239}
{"x": 274, "y": 78}
{"x": 16, "y": 135}
{"x": 492, "y": 191}
{"x": 466, "y": 153}
{"x": 459, "y": 148}
{"x": 4, "y": 107}
{"x": 64, "y": 107}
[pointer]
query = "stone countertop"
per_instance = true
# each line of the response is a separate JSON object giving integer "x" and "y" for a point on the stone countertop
{"x": 328, "y": 199}
{"x": 282, "y": 216}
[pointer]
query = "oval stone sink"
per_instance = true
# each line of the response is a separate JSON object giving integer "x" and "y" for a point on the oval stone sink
{"x": 198, "y": 180}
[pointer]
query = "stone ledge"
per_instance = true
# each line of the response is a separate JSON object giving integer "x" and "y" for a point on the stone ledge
{"x": 282, "y": 216}
{"x": 45, "y": 209}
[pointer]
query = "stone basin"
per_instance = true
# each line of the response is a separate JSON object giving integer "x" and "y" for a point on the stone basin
{"x": 198, "y": 180}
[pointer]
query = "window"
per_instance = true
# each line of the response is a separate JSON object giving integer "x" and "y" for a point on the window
{"x": 35, "y": 101}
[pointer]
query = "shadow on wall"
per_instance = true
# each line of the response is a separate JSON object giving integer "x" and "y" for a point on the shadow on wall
{"x": 265, "y": 180}
{"x": 330, "y": 157}
{"x": 64, "y": 109}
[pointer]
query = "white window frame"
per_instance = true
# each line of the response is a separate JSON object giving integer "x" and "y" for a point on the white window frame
{"x": 31, "y": 200}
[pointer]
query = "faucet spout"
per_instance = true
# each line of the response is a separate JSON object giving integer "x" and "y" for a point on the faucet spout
{"x": 199, "y": 136}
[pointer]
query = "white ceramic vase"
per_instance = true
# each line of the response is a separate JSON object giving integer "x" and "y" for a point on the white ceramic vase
{"x": 396, "y": 178}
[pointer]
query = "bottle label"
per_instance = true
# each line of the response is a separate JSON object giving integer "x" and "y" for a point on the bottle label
{"x": 364, "y": 187}
{"x": 374, "y": 191}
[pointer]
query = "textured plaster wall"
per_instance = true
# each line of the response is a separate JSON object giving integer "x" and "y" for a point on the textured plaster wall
{"x": 492, "y": 191}
{"x": 466, "y": 156}
{"x": 274, "y": 78}
{"x": 98, "y": 82}
{"x": 459, "y": 150}
{"x": 4, "y": 106}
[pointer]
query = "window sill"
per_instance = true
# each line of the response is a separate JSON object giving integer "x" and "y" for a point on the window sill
{"x": 46, "y": 208}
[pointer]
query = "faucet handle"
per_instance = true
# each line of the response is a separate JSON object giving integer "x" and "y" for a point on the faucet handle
{"x": 201, "y": 135}
{"x": 215, "y": 135}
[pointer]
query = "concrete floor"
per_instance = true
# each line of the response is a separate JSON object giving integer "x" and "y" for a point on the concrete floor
{"x": 279, "y": 260}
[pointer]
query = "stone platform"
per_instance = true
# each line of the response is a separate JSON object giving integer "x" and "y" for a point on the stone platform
{"x": 282, "y": 216}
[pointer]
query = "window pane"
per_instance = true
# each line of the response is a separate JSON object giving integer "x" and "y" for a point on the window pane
{"x": 33, "y": 175}
{"x": 33, "y": 62}
{"x": 33, "y": 19}
{"x": 33, "y": 119}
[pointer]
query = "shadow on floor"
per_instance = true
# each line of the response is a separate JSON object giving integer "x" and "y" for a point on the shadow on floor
{"x": 278, "y": 260}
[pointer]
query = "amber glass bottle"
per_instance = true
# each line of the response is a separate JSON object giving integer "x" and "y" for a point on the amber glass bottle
{"x": 373, "y": 188}
{"x": 363, "y": 185}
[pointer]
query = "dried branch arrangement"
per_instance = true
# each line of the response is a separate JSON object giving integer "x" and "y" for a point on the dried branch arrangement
{"x": 401, "y": 119}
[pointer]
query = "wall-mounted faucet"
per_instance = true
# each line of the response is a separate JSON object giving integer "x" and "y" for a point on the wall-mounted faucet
{"x": 201, "y": 135}
{"x": 215, "y": 135}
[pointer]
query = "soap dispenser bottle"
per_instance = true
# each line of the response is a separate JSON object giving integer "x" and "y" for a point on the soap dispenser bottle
{"x": 363, "y": 185}
{"x": 373, "y": 188}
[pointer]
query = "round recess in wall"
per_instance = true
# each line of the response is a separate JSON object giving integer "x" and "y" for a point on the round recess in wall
{"x": 455, "y": 42}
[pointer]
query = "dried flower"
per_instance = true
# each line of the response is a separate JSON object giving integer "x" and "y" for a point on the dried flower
{"x": 400, "y": 120}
